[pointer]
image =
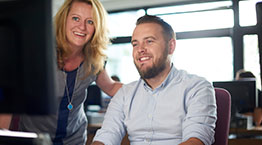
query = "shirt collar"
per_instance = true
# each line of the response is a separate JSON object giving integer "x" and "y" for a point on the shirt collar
{"x": 164, "y": 83}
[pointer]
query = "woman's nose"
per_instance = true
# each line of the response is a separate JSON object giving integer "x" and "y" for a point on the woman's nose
{"x": 82, "y": 25}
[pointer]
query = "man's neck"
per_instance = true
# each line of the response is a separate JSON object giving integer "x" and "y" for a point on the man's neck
{"x": 157, "y": 80}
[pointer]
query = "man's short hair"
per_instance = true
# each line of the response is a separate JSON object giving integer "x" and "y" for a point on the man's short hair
{"x": 168, "y": 31}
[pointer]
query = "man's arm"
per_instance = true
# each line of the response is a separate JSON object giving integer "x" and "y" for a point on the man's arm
{"x": 113, "y": 129}
{"x": 201, "y": 116}
{"x": 191, "y": 141}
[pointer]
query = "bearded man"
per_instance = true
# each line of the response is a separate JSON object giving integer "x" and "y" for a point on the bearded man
{"x": 166, "y": 106}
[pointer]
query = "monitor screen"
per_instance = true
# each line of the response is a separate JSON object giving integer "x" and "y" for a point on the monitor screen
{"x": 243, "y": 95}
{"x": 27, "y": 57}
{"x": 259, "y": 32}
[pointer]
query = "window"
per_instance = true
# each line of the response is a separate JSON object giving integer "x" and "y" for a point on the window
{"x": 123, "y": 23}
{"x": 211, "y": 58}
{"x": 247, "y": 12}
{"x": 251, "y": 56}
{"x": 196, "y": 16}
{"x": 200, "y": 20}
{"x": 120, "y": 62}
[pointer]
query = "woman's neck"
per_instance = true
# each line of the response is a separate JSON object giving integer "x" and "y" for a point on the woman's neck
{"x": 73, "y": 61}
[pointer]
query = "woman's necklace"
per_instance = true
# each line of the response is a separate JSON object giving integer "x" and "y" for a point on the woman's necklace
{"x": 70, "y": 105}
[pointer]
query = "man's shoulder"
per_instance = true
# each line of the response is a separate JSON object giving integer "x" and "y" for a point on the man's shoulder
{"x": 186, "y": 76}
{"x": 127, "y": 89}
{"x": 130, "y": 85}
{"x": 191, "y": 80}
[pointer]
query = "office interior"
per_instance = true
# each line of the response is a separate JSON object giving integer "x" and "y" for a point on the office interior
{"x": 215, "y": 39}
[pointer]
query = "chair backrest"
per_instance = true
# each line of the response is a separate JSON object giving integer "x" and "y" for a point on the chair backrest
{"x": 94, "y": 96}
{"x": 223, "y": 100}
{"x": 14, "y": 125}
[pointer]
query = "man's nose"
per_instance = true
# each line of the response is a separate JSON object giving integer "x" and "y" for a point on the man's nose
{"x": 142, "y": 48}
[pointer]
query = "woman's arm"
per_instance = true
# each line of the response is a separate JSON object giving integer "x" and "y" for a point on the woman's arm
{"x": 109, "y": 86}
{"x": 5, "y": 121}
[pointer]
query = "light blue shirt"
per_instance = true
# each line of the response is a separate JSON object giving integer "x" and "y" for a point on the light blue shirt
{"x": 183, "y": 106}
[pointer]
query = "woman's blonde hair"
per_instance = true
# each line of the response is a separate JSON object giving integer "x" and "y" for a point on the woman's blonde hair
{"x": 93, "y": 50}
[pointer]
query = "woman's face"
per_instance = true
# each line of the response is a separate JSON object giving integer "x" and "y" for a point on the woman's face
{"x": 79, "y": 25}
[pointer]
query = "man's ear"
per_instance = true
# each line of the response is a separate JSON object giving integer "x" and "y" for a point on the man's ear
{"x": 171, "y": 46}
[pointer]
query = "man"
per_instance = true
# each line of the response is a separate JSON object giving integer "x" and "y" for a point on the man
{"x": 166, "y": 106}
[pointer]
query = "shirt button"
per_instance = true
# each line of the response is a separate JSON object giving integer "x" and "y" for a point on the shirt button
{"x": 149, "y": 116}
{"x": 147, "y": 140}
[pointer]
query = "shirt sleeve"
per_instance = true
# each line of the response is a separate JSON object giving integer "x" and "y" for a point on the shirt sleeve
{"x": 200, "y": 120}
{"x": 113, "y": 129}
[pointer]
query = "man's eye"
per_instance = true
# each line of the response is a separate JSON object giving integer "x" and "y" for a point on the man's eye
{"x": 75, "y": 19}
{"x": 90, "y": 22}
{"x": 149, "y": 41}
{"x": 134, "y": 44}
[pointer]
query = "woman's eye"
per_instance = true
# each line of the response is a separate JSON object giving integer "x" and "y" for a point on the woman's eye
{"x": 90, "y": 22}
{"x": 75, "y": 19}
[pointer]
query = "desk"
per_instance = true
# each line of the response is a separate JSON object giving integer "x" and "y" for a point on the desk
{"x": 254, "y": 131}
{"x": 246, "y": 136}
{"x": 244, "y": 141}
{"x": 243, "y": 136}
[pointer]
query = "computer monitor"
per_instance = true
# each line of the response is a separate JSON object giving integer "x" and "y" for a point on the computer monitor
{"x": 27, "y": 57}
{"x": 243, "y": 95}
{"x": 259, "y": 32}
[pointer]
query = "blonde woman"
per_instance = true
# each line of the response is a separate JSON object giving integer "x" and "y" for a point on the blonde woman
{"x": 81, "y": 37}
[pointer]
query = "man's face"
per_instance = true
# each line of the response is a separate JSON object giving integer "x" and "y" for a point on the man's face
{"x": 150, "y": 50}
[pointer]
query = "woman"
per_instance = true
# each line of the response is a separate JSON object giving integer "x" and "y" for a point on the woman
{"x": 81, "y": 37}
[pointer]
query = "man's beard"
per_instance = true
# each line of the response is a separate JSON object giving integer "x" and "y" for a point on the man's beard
{"x": 157, "y": 67}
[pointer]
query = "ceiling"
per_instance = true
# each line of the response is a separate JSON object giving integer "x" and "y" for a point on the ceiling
{"x": 112, "y": 5}
{"x": 117, "y": 5}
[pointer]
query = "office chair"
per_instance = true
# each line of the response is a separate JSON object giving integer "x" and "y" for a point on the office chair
{"x": 14, "y": 125}
{"x": 223, "y": 100}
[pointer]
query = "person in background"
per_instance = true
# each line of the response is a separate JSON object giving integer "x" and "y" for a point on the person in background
{"x": 243, "y": 75}
{"x": 81, "y": 38}
{"x": 166, "y": 106}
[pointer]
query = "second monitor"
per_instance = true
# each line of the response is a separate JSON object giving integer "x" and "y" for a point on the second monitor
{"x": 244, "y": 96}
